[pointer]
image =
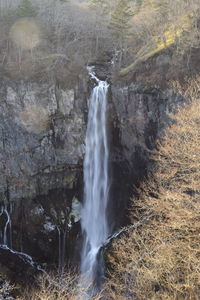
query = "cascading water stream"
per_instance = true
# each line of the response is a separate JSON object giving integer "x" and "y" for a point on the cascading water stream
{"x": 96, "y": 185}
{"x": 6, "y": 237}
{"x": 6, "y": 231}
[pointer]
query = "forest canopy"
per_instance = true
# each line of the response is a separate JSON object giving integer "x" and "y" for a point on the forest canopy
{"x": 62, "y": 37}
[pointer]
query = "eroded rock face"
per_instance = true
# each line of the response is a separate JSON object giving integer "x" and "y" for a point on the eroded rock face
{"x": 139, "y": 116}
{"x": 42, "y": 136}
{"x": 42, "y": 133}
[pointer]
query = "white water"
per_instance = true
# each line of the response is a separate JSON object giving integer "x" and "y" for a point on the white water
{"x": 62, "y": 235}
{"x": 96, "y": 184}
{"x": 25, "y": 257}
{"x": 6, "y": 237}
{"x": 6, "y": 232}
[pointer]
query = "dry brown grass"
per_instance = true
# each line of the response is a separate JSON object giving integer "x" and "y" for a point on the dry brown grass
{"x": 160, "y": 24}
{"x": 155, "y": 16}
{"x": 160, "y": 260}
{"x": 5, "y": 288}
{"x": 57, "y": 287}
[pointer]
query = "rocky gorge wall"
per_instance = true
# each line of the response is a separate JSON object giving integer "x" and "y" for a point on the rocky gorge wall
{"x": 139, "y": 117}
{"x": 42, "y": 130}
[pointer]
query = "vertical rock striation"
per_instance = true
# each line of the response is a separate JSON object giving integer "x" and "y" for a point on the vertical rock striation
{"x": 42, "y": 132}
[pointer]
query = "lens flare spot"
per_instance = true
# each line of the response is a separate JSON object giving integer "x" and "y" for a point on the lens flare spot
{"x": 35, "y": 119}
{"x": 25, "y": 34}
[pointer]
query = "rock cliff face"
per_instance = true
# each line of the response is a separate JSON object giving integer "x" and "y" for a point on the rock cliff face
{"x": 42, "y": 136}
{"x": 139, "y": 116}
{"x": 42, "y": 130}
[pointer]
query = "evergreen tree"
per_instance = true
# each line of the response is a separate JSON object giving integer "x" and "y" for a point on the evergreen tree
{"x": 102, "y": 9}
{"x": 138, "y": 4}
{"x": 26, "y": 9}
{"x": 119, "y": 24}
{"x": 100, "y": 6}
{"x": 9, "y": 17}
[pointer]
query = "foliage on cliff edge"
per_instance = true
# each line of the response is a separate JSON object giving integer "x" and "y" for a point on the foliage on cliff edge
{"x": 160, "y": 259}
{"x": 57, "y": 39}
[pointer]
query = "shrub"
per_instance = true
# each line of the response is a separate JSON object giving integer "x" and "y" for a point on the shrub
{"x": 57, "y": 287}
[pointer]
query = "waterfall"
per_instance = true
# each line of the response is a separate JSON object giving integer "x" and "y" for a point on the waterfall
{"x": 96, "y": 185}
{"x": 6, "y": 231}
{"x": 62, "y": 235}
{"x": 6, "y": 237}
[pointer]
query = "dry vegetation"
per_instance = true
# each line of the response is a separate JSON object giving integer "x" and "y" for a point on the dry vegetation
{"x": 52, "y": 287}
{"x": 5, "y": 288}
{"x": 49, "y": 286}
{"x": 48, "y": 39}
{"x": 159, "y": 25}
{"x": 160, "y": 260}
{"x": 68, "y": 35}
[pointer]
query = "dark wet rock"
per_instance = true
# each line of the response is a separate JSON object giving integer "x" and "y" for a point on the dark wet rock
{"x": 102, "y": 70}
{"x": 139, "y": 116}
{"x": 42, "y": 133}
{"x": 19, "y": 266}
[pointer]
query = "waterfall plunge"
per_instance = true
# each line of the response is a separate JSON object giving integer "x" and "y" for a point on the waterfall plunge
{"x": 6, "y": 231}
{"x": 96, "y": 185}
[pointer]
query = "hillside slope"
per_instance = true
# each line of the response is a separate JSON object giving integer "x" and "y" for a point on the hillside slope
{"x": 160, "y": 259}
